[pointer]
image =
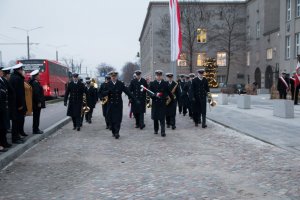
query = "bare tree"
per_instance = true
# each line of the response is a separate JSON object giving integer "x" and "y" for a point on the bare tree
{"x": 104, "y": 68}
{"x": 230, "y": 39}
{"x": 128, "y": 71}
{"x": 73, "y": 65}
{"x": 194, "y": 16}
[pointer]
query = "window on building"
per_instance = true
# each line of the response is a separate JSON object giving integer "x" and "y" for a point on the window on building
{"x": 269, "y": 54}
{"x": 221, "y": 59}
{"x": 182, "y": 62}
{"x": 201, "y": 35}
{"x": 288, "y": 10}
{"x": 248, "y": 33}
{"x": 248, "y": 58}
{"x": 287, "y": 47}
{"x": 257, "y": 29}
{"x": 297, "y": 38}
{"x": 201, "y": 59}
{"x": 297, "y": 8}
{"x": 257, "y": 56}
{"x": 221, "y": 79}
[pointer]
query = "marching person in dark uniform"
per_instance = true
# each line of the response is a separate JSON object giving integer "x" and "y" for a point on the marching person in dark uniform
{"x": 138, "y": 109}
{"x": 199, "y": 91}
{"x": 161, "y": 91}
{"x": 38, "y": 101}
{"x": 3, "y": 113}
{"x": 114, "y": 91}
{"x": 185, "y": 96}
{"x": 172, "y": 104}
{"x": 180, "y": 99}
{"x": 17, "y": 82}
{"x": 188, "y": 89}
{"x": 294, "y": 90}
{"x": 104, "y": 99}
{"x": 91, "y": 99}
{"x": 283, "y": 85}
{"x": 75, "y": 90}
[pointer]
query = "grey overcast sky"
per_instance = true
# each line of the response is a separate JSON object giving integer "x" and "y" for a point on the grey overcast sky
{"x": 93, "y": 30}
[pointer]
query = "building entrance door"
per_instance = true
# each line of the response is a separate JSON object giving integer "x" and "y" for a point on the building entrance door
{"x": 269, "y": 77}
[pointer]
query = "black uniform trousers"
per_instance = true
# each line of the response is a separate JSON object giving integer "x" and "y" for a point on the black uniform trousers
{"x": 139, "y": 119}
{"x": 36, "y": 119}
{"x": 89, "y": 115}
{"x": 77, "y": 123}
{"x": 295, "y": 96}
{"x": 200, "y": 111}
{"x": 171, "y": 120}
{"x": 162, "y": 126}
{"x": 18, "y": 126}
{"x": 3, "y": 130}
{"x": 282, "y": 94}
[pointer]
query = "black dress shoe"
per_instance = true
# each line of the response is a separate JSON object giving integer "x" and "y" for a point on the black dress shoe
{"x": 196, "y": 124}
{"x": 23, "y": 134}
{"x": 74, "y": 128}
{"x": 137, "y": 126}
{"x": 163, "y": 135}
{"x": 142, "y": 127}
{"x": 155, "y": 133}
{"x": 7, "y": 145}
{"x": 173, "y": 127}
{"x": 117, "y": 136}
{"x": 18, "y": 141}
{"x": 78, "y": 129}
{"x": 204, "y": 126}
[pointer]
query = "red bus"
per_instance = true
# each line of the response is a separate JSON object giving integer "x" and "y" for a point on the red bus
{"x": 53, "y": 75}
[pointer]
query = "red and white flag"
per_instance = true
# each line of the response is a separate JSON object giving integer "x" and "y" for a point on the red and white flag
{"x": 297, "y": 75}
{"x": 176, "y": 36}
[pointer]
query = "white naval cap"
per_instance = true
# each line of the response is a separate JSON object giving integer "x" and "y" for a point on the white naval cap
{"x": 17, "y": 66}
{"x": 35, "y": 72}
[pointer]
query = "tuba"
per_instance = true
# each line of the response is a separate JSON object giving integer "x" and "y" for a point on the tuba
{"x": 173, "y": 93}
{"x": 104, "y": 100}
{"x": 210, "y": 99}
{"x": 85, "y": 109}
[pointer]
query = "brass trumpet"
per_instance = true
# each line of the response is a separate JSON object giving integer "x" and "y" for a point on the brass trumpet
{"x": 211, "y": 101}
{"x": 173, "y": 93}
{"x": 85, "y": 109}
{"x": 104, "y": 100}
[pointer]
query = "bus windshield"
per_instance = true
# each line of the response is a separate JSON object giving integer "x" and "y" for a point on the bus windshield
{"x": 30, "y": 66}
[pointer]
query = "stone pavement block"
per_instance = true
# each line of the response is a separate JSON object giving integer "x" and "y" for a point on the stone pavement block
{"x": 223, "y": 99}
{"x": 244, "y": 101}
{"x": 283, "y": 108}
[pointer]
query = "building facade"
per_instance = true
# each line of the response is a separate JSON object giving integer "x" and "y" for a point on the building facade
{"x": 265, "y": 39}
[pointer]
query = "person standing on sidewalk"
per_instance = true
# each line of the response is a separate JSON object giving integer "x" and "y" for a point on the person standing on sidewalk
{"x": 75, "y": 90}
{"x": 114, "y": 91}
{"x": 283, "y": 86}
{"x": 172, "y": 105}
{"x": 17, "y": 82}
{"x": 138, "y": 110}
{"x": 294, "y": 90}
{"x": 104, "y": 99}
{"x": 91, "y": 99}
{"x": 38, "y": 101}
{"x": 161, "y": 91}
{"x": 199, "y": 91}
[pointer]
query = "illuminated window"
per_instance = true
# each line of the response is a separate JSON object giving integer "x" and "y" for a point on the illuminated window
{"x": 221, "y": 59}
{"x": 269, "y": 54}
{"x": 248, "y": 58}
{"x": 182, "y": 61}
{"x": 201, "y": 59}
{"x": 201, "y": 35}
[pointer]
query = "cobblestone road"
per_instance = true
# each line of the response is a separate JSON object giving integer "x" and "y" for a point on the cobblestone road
{"x": 190, "y": 163}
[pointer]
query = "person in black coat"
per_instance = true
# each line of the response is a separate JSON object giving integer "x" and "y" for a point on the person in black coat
{"x": 172, "y": 106}
{"x": 199, "y": 91}
{"x": 102, "y": 97}
{"x": 158, "y": 112}
{"x": 185, "y": 96}
{"x": 38, "y": 101}
{"x": 180, "y": 98}
{"x": 191, "y": 103}
{"x": 17, "y": 82}
{"x": 74, "y": 94}
{"x": 114, "y": 91}
{"x": 283, "y": 85}
{"x": 139, "y": 109}
{"x": 294, "y": 90}
{"x": 91, "y": 99}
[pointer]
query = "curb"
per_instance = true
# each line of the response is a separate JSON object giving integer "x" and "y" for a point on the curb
{"x": 9, "y": 156}
{"x": 54, "y": 101}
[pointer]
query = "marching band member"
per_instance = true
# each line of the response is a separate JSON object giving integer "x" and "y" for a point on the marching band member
{"x": 104, "y": 99}
{"x": 114, "y": 91}
{"x": 75, "y": 90}
{"x": 172, "y": 105}
{"x": 199, "y": 90}
{"x": 91, "y": 99}
{"x": 138, "y": 110}
{"x": 161, "y": 91}
{"x": 180, "y": 98}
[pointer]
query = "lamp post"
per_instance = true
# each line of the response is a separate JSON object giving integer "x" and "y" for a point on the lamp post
{"x": 56, "y": 49}
{"x": 27, "y": 31}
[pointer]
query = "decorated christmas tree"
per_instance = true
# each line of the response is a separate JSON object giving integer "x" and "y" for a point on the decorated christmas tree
{"x": 211, "y": 72}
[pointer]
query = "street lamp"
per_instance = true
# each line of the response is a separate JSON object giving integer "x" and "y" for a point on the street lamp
{"x": 57, "y": 47}
{"x": 27, "y": 31}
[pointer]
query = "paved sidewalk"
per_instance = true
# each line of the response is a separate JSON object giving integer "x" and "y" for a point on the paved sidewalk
{"x": 190, "y": 163}
{"x": 259, "y": 122}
